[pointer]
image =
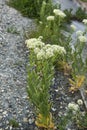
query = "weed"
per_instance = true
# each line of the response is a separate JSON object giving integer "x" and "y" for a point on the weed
{"x": 12, "y": 30}
{"x": 13, "y": 123}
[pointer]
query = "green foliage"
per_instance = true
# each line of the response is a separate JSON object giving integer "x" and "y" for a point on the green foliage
{"x": 64, "y": 120}
{"x": 51, "y": 30}
{"x": 82, "y": 122}
{"x": 16, "y": 3}
{"x": 80, "y": 14}
{"x": 47, "y": 10}
{"x": 69, "y": 15}
{"x": 75, "y": 58}
{"x": 79, "y": 119}
{"x": 78, "y": 64}
{"x": 40, "y": 74}
{"x": 29, "y": 8}
{"x": 12, "y": 30}
{"x": 53, "y": 33}
{"x": 13, "y": 123}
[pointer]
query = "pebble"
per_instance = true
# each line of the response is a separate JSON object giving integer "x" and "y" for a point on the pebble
{"x": 4, "y": 113}
{"x": 53, "y": 109}
{"x": 31, "y": 121}
{"x": 25, "y": 120}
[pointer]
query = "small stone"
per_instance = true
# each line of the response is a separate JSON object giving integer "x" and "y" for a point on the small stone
{"x": 56, "y": 90}
{"x": 31, "y": 121}
{"x": 0, "y": 117}
{"x": 24, "y": 97}
{"x": 68, "y": 129}
{"x": 1, "y": 110}
{"x": 60, "y": 114}
{"x": 36, "y": 128}
{"x": 20, "y": 124}
{"x": 2, "y": 90}
{"x": 25, "y": 119}
{"x": 10, "y": 127}
{"x": 53, "y": 109}
{"x": 61, "y": 107}
{"x": 7, "y": 122}
{"x": 5, "y": 112}
{"x": 6, "y": 128}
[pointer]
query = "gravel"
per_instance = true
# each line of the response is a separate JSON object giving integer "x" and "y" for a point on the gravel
{"x": 14, "y": 104}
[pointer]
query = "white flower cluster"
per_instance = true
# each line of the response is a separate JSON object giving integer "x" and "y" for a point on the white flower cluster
{"x": 50, "y": 18}
{"x": 85, "y": 21}
{"x": 73, "y": 27}
{"x": 73, "y": 106}
{"x": 40, "y": 22}
{"x": 43, "y": 51}
{"x": 80, "y": 102}
{"x": 79, "y": 33}
{"x": 58, "y": 49}
{"x": 59, "y": 13}
{"x": 33, "y": 43}
{"x": 49, "y": 51}
{"x": 82, "y": 38}
{"x": 44, "y": 3}
{"x": 41, "y": 54}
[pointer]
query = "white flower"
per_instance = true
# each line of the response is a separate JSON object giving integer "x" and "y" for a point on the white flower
{"x": 46, "y": 26}
{"x": 41, "y": 54}
{"x": 40, "y": 37}
{"x": 50, "y": 18}
{"x": 47, "y": 45}
{"x": 62, "y": 50}
{"x": 73, "y": 27}
{"x": 36, "y": 50}
{"x": 33, "y": 43}
{"x": 49, "y": 53}
{"x": 80, "y": 102}
{"x": 79, "y": 33}
{"x": 58, "y": 49}
{"x": 83, "y": 113}
{"x": 43, "y": 51}
{"x": 39, "y": 42}
{"x": 40, "y": 22}
{"x": 82, "y": 38}
{"x": 72, "y": 106}
{"x": 84, "y": 21}
{"x": 59, "y": 13}
{"x": 44, "y": 3}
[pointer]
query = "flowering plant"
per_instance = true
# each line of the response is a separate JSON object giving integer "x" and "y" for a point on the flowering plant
{"x": 74, "y": 115}
{"x": 76, "y": 59}
{"x": 78, "y": 116}
{"x": 40, "y": 75}
{"x": 50, "y": 25}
